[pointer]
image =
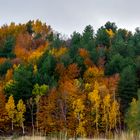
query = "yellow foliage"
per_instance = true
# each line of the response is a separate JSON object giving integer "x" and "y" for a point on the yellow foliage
{"x": 35, "y": 69}
{"x": 40, "y": 28}
{"x": 37, "y": 26}
{"x": 95, "y": 99}
{"x": 107, "y": 100}
{"x": 94, "y": 96}
{"x": 80, "y": 130}
{"x": 106, "y": 109}
{"x": 114, "y": 114}
{"x": 87, "y": 86}
{"x": 34, "y": 55}
{"x": 58, "y": 52}
{"x": 79, "y": 107}
{"x": 15, "y": 66}
{"x": 21, "y": 109}
{"x": 92, "y": 73}
{"x": 10, "y": 108}
{"x": 110, "y": 33}
{"x": 77, "y": 83}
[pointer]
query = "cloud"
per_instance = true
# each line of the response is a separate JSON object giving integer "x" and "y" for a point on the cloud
{"x": 68, "y": 15}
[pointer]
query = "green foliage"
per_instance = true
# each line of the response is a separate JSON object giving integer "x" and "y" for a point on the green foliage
{"x": 102, "y": 38}
{"x": 4, "y": 67}
{"x": 113, "y": 51}
{"x": 8, "y": 46}
{"x": 111, "y": 25}
{"x": 127, "y": 88}
{"x": 21, "y": 87}
{"x": 40, "y": 90}
{"x": 57, "y": 42}
{"x": 46, "y": 65}
{"x": 133, "y": 115}
{"x": 137, "y": 62}
{"x": 29, "y": 27}
{"x": 115, "y": 65}
{"x": 118, "y": 63}
{"x": 136, "y": 41}
{"x": 87, "y": 39}
{"x": 122, "y": 48}
{"x": 75, "y": 44}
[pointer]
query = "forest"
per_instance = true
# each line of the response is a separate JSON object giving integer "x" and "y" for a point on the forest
{"x": 85, "y": 85}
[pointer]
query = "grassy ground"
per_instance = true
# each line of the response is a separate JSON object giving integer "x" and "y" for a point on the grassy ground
{"x": 40, "y": 138}
{"x": 123, "y": 136}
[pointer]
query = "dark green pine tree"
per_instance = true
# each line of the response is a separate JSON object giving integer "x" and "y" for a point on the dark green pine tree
{"x": 127, "y": 88}
{"x": 22, "y": 86}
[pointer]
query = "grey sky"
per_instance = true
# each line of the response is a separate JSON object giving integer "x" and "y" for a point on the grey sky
{"x": 66, "y": 16}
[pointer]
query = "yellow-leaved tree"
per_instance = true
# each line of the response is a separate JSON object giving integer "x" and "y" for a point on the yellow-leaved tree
{"x": 11, "y": 110}
{"x": 21, "y": 109}
{"x": 110, "y": 33}
{"x": 95, "y": 99}
{"x": 79, "y": 107}
{"x": 106, "y": 111}
{"x": 114, "y": 115}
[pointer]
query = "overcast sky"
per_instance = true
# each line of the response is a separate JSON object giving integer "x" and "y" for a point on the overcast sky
{"x": 66, "y": 16}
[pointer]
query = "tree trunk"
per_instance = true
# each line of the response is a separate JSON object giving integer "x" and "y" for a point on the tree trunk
{"x": 23, "y": 128}
{"x": 32, "y": 122}
{"x": 12, "y": 126}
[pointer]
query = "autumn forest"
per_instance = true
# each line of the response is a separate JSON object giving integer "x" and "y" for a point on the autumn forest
{"x": 85, "y": 85}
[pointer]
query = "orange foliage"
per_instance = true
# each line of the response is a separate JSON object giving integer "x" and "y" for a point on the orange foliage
{"x": 93, "y": 72}
{"x": 24, "y": 41}
{"x": 12, "y": 29}
{"x": 60, "y": 68}
{"x": 83, "y": 53}
{"x": 69, "y": 73}
{"x": 21, "y": 53}
{"x": 88, "y": 62}
{"x": 9, "y": 75}
{"x": 73, "y": 71}
{"x": 48, "y": 116}
{"x": 2, "y": 60}
{"x": 25, "y": 51}
{"x": 3, "y": 113}
{"x": 23, "y": 46}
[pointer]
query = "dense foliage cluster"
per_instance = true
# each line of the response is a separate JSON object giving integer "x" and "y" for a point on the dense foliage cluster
{"x": 80, "y": 86}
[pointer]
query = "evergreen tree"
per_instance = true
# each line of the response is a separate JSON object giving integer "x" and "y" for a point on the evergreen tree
{"x": 127, "y": 88}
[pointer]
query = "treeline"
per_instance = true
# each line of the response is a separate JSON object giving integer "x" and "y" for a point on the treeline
{"x": 83, "y": 86}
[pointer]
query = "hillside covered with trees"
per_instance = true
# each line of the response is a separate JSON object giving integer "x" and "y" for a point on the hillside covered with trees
{"x": 83, "y": 86}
